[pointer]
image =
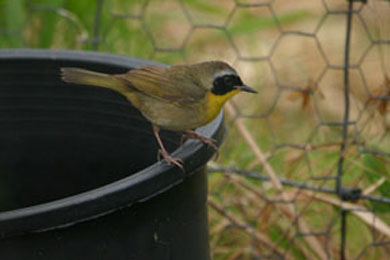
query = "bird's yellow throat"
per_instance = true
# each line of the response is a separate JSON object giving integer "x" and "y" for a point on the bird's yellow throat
{"x": 215, "y": 103}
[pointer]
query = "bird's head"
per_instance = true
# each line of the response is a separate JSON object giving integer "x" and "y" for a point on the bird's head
{"x": 222, "y": 81}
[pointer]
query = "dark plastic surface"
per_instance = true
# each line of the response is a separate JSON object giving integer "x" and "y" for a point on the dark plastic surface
{"x": 79, "y": 177}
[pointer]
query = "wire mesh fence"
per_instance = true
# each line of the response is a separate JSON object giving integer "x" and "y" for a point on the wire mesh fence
{"x": 304, "y": 171}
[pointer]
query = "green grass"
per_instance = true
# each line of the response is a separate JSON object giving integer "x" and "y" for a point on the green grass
{"x": 12, "y": 18}
{"x": 249, "y": 23}
{"x": 205, "y": 7}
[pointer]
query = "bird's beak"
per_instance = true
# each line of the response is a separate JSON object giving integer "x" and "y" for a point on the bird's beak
{"x": 246, "y": 89}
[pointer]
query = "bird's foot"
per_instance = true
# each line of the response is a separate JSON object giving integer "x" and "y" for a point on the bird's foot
{"x": 171, "y": 160}
{"x": 194, "y": 135}
{"x": 189, "y": 134}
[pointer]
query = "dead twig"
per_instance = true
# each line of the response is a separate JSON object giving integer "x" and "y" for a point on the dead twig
{"x": 258, "y": 236}
{"x": 303, "y": 227}
{"x": 361, "y": 212}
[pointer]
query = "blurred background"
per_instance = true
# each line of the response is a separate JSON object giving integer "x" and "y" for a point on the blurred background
{"x": 302, "y": 174}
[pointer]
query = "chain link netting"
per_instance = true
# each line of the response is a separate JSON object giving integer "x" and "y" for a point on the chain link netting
{"x": 304, "y": 171}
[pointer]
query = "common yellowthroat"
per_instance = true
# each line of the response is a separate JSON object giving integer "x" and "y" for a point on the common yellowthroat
{"x": 177, "y": 98}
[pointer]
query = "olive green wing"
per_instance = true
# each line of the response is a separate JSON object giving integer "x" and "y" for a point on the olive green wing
{"x": 178, "y": 86}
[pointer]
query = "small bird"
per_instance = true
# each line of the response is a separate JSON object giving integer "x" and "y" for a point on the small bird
{"x": 177, "y": 98}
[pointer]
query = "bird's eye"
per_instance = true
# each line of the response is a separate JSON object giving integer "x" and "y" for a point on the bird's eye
{"x": 224, "y": 84}
{"x": 229, "y": 80}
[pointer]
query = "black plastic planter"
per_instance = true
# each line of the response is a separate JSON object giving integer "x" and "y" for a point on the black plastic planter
{"x": 79, "y": 176}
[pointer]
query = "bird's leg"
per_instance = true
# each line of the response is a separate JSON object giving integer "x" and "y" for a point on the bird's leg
{"x": 194, "y": 135}
{"x": 170, "y": 160}
{"x": 209, "y": 141}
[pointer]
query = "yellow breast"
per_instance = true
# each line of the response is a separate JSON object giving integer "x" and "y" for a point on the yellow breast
{"x": 215, "y": 103}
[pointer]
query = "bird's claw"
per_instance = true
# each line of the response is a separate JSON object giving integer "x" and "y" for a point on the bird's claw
{"x": 194, "y": 135}
{"x": 171, "y": 160}
{"x": 206, "y": 140}
{"x": 209, "y": 141}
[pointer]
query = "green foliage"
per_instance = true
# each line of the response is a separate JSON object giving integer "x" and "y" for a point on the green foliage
{"x": 12, "y": 19}
{"x": 293, "y": 17}
{"x": 205, "y": 7}
{"x": 127, "y": 38}
{"x": 169, "y": 57}
{"x": 84, "y": 10}
{"x": 277, "y": 235}
{"x": 251, "y": 22}
{"x": 47, "y": 32}
{"x": 374, "y": 169}
{"x": 70, "y": 24}
{"x": 14, "y": 14}
{"x": 46, "y": 3}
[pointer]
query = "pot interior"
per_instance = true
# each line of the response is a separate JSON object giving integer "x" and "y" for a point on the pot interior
{"x": 58, "y": 139}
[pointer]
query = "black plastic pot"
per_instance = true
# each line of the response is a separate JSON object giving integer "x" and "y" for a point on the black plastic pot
{"x": 79, "y": 176}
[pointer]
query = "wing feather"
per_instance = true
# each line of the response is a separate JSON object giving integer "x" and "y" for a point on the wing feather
{"x": 165, "y": 84}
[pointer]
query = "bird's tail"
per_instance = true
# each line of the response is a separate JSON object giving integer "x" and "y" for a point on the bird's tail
{"x": 87, "y": 77}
